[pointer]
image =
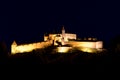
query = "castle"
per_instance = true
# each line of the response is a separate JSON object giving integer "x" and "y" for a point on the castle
{"x": 62, "y": 38}
{"x": 61, "y": 41}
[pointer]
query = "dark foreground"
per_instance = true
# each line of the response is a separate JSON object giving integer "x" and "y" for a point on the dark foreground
{"x": 99, "y": 61}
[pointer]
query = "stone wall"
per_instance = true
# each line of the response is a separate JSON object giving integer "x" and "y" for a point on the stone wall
{"x": 29, "y": 47}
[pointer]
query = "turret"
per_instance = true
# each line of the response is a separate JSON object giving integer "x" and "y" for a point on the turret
{"x": 63, "y": 30}
{"x": 63, "y": 35}
{"x": 13, "y": 47}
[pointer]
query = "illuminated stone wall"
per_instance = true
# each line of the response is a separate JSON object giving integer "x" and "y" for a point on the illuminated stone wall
{"x": 99, "y": 44}
{"x": 87, "y": 44}
{"x": 45, "y": 38}
{"x": 70, "y": 36}
{"x": 59, "y": 39}
{"x": 28, "y": 47}
{"x": 66, "y": 36}
{"x": 83, "y": 46}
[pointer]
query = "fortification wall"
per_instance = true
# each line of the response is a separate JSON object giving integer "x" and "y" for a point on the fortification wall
{"x": 88, "y": 44}
{"x": 29, "y": 47}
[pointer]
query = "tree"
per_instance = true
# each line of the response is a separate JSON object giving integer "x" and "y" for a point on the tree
{"x": 114, "y": 45}
{"x": 3, "y": 49}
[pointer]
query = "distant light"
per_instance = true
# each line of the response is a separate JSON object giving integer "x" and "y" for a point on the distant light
{"x": 63, "y": 49}
{"x": 89, "y": 50}
{"x": 89, "y": 38}
{"x": 94, "y": 39}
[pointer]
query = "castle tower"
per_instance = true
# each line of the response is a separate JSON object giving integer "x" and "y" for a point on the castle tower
{"x": 63, "y": 30}
{"x": 13, "y": 47}
{"x": 63, "y": 35}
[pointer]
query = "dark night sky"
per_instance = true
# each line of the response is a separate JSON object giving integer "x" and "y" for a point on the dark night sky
{"x": 28, "y": 21}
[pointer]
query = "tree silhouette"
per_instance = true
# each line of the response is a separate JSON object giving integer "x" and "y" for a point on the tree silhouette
{"x": 114, "y": 45}
{"x": 3, "y": 49}
{"x": 3, "y": 53}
